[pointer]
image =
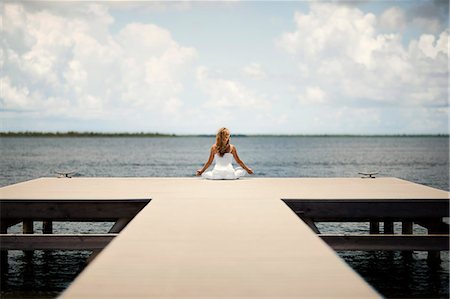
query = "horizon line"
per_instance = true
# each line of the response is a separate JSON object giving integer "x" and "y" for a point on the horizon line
{"x": 157, "y": 134}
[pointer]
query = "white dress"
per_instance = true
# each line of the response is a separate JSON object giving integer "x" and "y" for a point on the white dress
{"x": 223, "y": 169}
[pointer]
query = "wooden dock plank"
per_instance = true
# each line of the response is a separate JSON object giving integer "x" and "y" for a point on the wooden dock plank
{"x": 217, "y": 247}
{"x": 308, "y": 188}
{"x": 203, "y": 238}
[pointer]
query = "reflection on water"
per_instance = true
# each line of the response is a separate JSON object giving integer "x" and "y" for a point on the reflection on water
{"x": 399, "y": 275}
{"x": 40, "y": 274}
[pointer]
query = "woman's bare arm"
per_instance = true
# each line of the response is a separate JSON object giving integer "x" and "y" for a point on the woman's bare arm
{"x": 239, "y": 161}
{"x": 208, "y": 163}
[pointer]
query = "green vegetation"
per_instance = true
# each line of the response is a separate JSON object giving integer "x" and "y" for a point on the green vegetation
{"x": 348, "y": 135}
{"x": 144, "y": 134}
{"x": 81, "y": 134}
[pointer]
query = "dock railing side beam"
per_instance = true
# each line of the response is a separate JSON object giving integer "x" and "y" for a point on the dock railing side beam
{"x": 386, "y": 242}
{"x": 29, "y": 242}
{"x": 370, "y": 209}
{"x": 71, "y": 210}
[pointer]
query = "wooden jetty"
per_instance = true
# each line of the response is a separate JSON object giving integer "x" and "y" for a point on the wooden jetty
{"x": 254, "y": 237}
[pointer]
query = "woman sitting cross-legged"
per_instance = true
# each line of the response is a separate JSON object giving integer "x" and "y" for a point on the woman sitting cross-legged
{"x": 223, "y": 153}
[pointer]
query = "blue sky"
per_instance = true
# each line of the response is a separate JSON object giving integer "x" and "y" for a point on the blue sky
{"x": 297, "y": 67}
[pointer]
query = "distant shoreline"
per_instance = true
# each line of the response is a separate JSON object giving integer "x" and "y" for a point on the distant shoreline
{"x": 147, "y": 134}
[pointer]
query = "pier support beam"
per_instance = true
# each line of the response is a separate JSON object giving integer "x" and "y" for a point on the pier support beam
{"x": 388, "y": 227}
{"x": 407, "y": 229}
{"x": 47, "y": 227}
{"x": 374, "y": 227}
{"x": 434, "y": 257}
{"x": 28, "y": 227}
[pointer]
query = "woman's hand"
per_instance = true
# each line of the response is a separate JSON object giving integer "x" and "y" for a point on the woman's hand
{"x": 249, "y": 170}
{"x": 210, "y": 160}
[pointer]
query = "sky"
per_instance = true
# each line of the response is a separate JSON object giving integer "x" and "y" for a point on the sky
{"x": 256, "y": 67}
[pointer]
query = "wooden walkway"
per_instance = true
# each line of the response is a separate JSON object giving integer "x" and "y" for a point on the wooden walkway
{"x": 198, "y": 238}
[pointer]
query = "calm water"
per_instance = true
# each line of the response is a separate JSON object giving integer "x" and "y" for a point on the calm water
{"x": 423, "y": 160}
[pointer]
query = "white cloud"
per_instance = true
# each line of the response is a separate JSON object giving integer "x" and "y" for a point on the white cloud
{"x": 14, "y": 97}
{"x": 74, "y": 65}
{"x": 312, "y": 95}
{"x": 432, "y": 46}
{"x": 152, "y": 6}
{"x": 254, "y": 71}
{"x": 229, "y": 94}
{"x": 172, "y": 105}
{"x": 303, "y": 70}
{"x": 343, "y": 51}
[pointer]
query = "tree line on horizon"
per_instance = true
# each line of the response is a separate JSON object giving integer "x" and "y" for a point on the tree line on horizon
{"x": 154, "y": 134}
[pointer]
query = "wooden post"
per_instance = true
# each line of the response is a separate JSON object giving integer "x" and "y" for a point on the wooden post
{"x": 47, "y": 227}
{"x": 27, "y": 227}
{"x": 434, "y": 257}
{"x": 388, "y": 227}
{"x": 4, "y": 253}
{"x": 374, "y": 227}
{"x": 407, "y": 229}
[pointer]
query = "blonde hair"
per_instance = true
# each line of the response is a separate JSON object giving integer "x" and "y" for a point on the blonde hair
{"x": 222, "y": 141}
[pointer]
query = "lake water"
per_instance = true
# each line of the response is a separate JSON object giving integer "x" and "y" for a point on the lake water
{"x": 424, "y": 160}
